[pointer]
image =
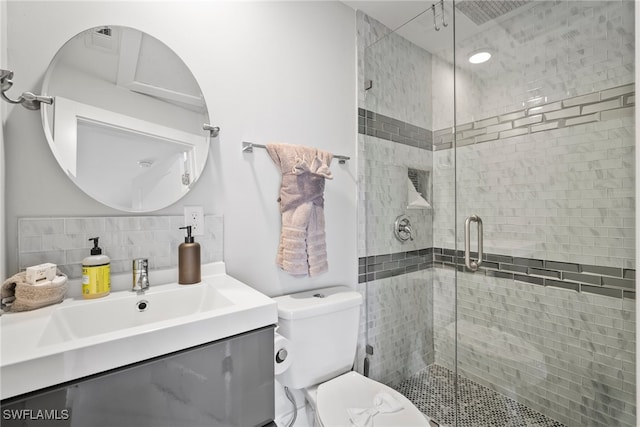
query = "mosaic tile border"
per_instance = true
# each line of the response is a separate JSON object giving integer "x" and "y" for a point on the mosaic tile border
{"x": 383, "y": 266}
{"x": 608, "y": 104}
{"x": 385, "y": 127}
{"x": 608, "y": 281}
{"x": 604, "y": 105}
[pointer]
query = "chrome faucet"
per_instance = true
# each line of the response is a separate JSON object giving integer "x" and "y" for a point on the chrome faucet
{"x": 140, "y": 275}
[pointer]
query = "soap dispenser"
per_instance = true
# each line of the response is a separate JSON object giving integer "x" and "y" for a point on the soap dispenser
{"x": 96, "y": 273}
{"x": 188, "y": 260}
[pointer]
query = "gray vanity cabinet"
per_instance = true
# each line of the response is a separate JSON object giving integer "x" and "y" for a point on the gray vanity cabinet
{"x": 224, "y": 383}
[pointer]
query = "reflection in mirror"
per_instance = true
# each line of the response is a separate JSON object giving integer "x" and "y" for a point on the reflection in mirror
{"x": 126, "y": 121}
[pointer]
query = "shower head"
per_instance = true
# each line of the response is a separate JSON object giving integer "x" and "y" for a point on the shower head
{"x": 483, "y": 11}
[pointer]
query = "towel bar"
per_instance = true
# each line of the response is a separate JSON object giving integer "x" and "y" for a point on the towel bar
{"x": 247, "y": 147}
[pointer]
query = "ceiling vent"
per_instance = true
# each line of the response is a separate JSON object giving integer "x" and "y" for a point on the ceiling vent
{"x": 483, "y": 11}
{"x": 105, "y": 31}
{"x": 103, "y": 38}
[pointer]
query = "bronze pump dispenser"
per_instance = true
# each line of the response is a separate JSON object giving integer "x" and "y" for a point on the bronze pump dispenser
{"x": 188, "y": 260}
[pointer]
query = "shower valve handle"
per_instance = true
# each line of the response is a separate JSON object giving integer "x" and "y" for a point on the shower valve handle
{"x": 402, "y": 228}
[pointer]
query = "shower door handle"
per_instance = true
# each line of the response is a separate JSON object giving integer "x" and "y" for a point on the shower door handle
{"x": 472, "y": 265}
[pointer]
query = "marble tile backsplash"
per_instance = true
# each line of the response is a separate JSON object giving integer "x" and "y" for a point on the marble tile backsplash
{"x": 64, "y": 241}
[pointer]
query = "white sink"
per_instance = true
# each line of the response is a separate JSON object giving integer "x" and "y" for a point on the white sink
{"x": 126, "y": 310}
{"x": 83, "y": 337}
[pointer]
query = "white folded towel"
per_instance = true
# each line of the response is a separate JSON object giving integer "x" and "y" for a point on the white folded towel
{"x": 383, "y": 403}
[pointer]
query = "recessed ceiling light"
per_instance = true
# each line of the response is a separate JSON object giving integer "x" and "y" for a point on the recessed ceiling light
{"x": 479, "y": 56}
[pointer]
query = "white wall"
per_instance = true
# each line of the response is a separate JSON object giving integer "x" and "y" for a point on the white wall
{"x": 269, "y": 71}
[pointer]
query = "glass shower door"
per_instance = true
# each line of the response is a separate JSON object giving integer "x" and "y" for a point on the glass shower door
{"x": 399, "y": 207}
{"x": 544, "y": 170}
{"x": 396, "y": 215}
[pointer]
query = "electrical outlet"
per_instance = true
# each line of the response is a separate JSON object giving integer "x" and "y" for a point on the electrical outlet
{"x": 194, "y": 216}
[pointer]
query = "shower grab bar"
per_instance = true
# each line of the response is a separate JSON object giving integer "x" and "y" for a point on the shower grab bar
{"x": 472, "y": 265}
{"x": 247, "y": 147}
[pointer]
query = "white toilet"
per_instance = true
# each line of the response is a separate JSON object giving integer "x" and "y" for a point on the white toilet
{"x": 322, "y": 326}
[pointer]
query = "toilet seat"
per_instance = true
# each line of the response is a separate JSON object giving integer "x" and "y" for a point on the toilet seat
{"x": 352, "y": 390}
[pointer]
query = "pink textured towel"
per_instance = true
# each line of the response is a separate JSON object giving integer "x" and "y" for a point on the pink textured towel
{"x": 302, "y": 250}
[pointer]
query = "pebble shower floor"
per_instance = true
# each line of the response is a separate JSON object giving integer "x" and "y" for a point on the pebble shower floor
{"x": 432, "y": 390}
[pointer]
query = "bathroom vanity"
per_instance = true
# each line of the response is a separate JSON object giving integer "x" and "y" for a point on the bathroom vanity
{"x": 196, "y": 355}
{"x": 226, "y": 383}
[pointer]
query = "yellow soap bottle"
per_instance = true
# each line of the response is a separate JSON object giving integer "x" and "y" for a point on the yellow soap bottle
{"x": 96, "y": 273}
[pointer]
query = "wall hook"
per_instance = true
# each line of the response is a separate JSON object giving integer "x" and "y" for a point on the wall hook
{"x": 435, "y": 23}
{"x": 444, "y": 24}
{"x": 28, "y": 100}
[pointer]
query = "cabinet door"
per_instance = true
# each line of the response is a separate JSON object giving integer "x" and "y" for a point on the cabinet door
{"x": 225, "y": 383}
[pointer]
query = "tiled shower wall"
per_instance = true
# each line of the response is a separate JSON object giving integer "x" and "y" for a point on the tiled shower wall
{"x": 64, "y": 241}
{"x": 555, "y": 50}
{"x": 545, "y": 155}
{"x": 395, "y": 315}
{"x": 396, "y": 116}
{"x": 563, "y": 194}
{"x": 568, "y": 355}
{"x": 400, "y": 329}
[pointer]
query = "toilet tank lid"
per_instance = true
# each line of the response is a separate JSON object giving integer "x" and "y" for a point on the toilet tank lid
{"x": 317, "y": 302}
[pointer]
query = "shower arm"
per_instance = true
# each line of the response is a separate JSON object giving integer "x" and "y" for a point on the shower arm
{"x": 28, "y": 100}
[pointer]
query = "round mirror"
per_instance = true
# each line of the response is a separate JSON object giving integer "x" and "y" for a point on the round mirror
{"x": 126, "y": 124}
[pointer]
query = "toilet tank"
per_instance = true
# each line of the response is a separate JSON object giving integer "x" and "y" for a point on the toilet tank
{"x": 322, "y": 326}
